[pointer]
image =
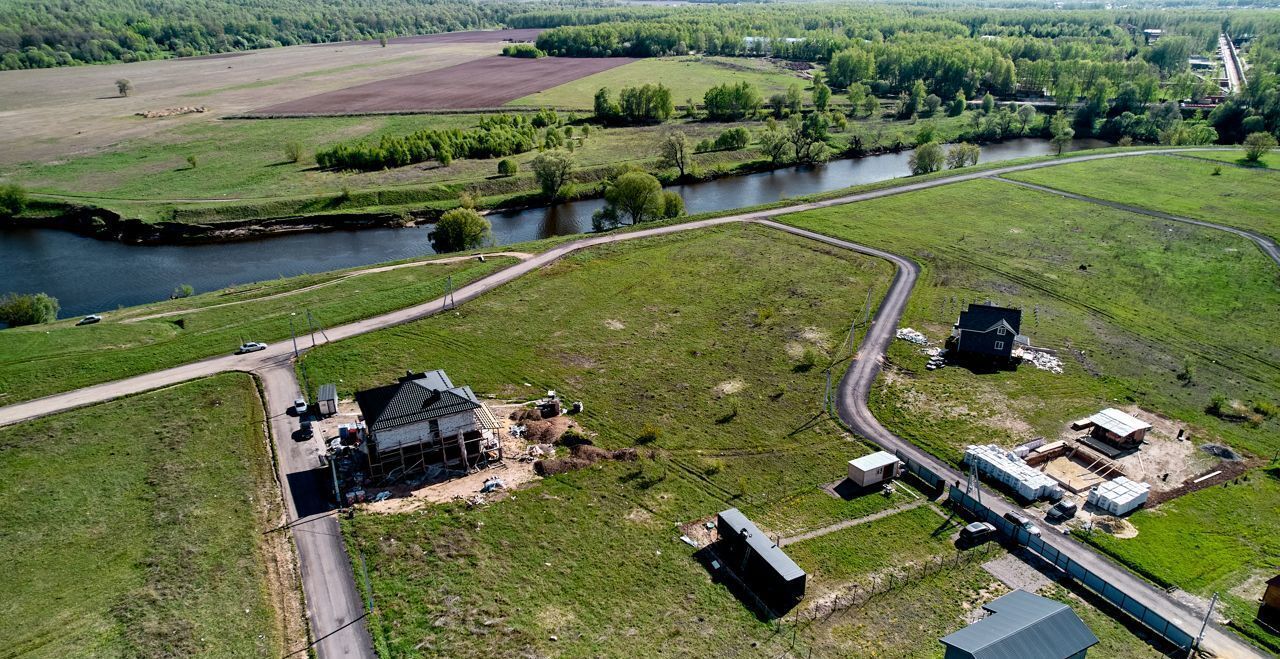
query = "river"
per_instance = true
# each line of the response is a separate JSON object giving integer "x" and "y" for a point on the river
{"x": 89, "y": 275}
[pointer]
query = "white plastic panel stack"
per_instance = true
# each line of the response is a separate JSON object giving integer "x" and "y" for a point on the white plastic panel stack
{"x": 1119, "y": 496}
{"x": 1006, "y": 467}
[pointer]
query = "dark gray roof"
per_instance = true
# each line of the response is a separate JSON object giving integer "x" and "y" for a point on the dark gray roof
{"x": 762, "y": 545}
{"x": 414, "y": 399}
{"x": 985, "y": 317}
{"x": 328, "y": 392}
{"x": 1024, "y": 626}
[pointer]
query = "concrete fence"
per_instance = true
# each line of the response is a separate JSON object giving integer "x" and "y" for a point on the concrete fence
{"x": 1082, "y": 575}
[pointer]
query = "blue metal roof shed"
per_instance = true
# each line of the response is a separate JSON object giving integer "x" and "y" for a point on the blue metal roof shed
{"x": 1022, "y": 626}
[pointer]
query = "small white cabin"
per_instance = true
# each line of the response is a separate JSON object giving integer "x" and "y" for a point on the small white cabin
{"x": 875, "y": 468}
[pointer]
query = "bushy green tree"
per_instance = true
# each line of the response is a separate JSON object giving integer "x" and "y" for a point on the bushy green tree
{"x": 1063, "y": 133}
{"x": 733, "y": 139}
{"x": 926, "y": 158}
{"x": 851, "y": 66}
{"x": 632, "y": 198}
{"x": 16, "y": 309}
{"x": 1258, "y": 144}
{"x": 459, "y": 229}
{"x": 731, "y": 102}
{"x": 13, "y": 200}
{"x": 963, "y": 155}
{"x": 821, "y": 94}
{"x": 957, "y": 105}
{"x": 508, "y": 167}
{"x": 552, "y": 169}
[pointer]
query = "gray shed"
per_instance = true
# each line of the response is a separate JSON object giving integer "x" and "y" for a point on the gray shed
{"x": 327, "y": 401}
{"x": 1022, "y": 626}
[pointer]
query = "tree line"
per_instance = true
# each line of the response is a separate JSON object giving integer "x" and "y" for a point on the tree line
{"x": 495, "y": 136}
{"x": 47, "y": 33}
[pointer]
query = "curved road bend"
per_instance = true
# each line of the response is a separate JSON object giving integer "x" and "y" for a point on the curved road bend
{"x": 333, "y": 603}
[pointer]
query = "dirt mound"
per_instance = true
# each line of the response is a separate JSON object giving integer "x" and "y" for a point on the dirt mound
{"x": 1120, "y": 528}
{"x": 1220, "y": 451}
{"x": 582, "y": 455}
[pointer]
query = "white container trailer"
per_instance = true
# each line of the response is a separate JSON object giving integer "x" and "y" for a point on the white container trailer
{"x": 875, "y": 468}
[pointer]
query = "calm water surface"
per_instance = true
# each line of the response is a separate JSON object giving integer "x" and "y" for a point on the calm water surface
{"x": 88, "y": 275}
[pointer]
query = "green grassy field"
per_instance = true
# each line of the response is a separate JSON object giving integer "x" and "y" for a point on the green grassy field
{"x": 702, "y": 338}
{"x": 686, "y": 77}
{"x": 1231, "y": 531}
{"x": 1152, "y": 295}
{"x": 39, "y": 360}
{"x": 697, "y": 340}
{"x": 1237, "y": 196}
{"x": 133, "y": 528}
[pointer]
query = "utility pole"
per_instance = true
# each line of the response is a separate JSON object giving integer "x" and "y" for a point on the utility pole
{"x": 293, "y": 335}
{"x": 333, "y": 468}
{"x": 448, "y": 292}
{"x": 367, "y": 588}
{"x": 826, "y": 400}
{"x": 1204, "y": 625}
{"x": 312, "y": 328}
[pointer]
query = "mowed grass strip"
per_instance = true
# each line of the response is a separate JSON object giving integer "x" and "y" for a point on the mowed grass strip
{"x": 40, "y": 360}
{"x": 1235, "y": 196}
{"x": 133, "y": 528}
{"x": 686, "y": 77}
{"x": 1128, "y": 301}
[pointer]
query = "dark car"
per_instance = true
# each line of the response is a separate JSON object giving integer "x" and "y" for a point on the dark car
{"x": 1063, "y": 510}
{"x": 976, "y": 532}
{"x": 306, "y": 431}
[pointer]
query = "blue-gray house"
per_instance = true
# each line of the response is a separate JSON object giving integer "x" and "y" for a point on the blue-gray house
{"x": 1022, "y": 626}
{"x": 987, "y": 331}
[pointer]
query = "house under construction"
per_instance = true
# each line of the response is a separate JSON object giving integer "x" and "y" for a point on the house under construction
{"x": 424, "y": 420}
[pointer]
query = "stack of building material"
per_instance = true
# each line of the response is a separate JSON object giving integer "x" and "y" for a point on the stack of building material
{"x": 1007, "y": 468}
{"x": 1119, "y": 495}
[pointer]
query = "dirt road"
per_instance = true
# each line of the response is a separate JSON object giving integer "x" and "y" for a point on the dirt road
{"x": 332, "y": 599}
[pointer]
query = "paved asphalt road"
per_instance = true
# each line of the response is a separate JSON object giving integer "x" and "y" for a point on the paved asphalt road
{"x": 334, "y": 604}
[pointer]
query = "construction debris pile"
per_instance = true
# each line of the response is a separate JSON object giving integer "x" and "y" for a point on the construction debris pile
{"x": 912, "y": 336}
{"x": 582, "y": 455}
{"x": 1007, "y": 468}
{"x": 1040, "y": 359}
{"x": 172, "y": 112}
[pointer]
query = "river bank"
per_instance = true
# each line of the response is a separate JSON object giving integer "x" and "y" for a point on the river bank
{"x": 90, "y": 274}
{"x": 109, "y": 225}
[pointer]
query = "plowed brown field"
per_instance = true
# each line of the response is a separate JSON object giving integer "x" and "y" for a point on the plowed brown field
{"x": 483, "y": 83}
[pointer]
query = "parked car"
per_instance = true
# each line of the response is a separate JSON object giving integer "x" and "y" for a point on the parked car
{"x": 251, "y": 346}
{"x": 306, "y": 430}
{"x": 90, "y": 319}
{"x": 1022, "y": 520}
{"x": 976, "y": 531}
{"x": 300, "y": 406}
{"x": 1063, "y": 510}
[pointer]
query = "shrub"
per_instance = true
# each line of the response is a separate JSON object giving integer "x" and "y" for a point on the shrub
{"x": 649, "y": 434}
{"x": 13, "y": 200}
{"x": 183, "y": 290}
{"x": 1257, "y": 144}
{"x": 523, "y": 50}
{"x": 672, "y": 204}
{"x": 508, "y": 167}
{"x": 34, "y": 309}
{"x": 191, "y": 162}
{"x": 926, "y": 158}
{"x": 459, "y": 229}
{"x": 733, "y": 139}
{"x": 293, "y": 151}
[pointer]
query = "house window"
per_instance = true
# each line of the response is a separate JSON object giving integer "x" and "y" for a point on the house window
{"x": 999, "y": 345}
{"x": 1000, "y": 331}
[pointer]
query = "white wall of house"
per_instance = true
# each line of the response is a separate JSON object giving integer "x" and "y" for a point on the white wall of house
{"x": 393, "y": 438}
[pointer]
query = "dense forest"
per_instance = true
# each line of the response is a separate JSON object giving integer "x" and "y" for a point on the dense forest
{"x": 46, "y": 33}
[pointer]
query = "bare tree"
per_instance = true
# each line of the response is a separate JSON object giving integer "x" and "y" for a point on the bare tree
{"x": 675, "y": 151}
